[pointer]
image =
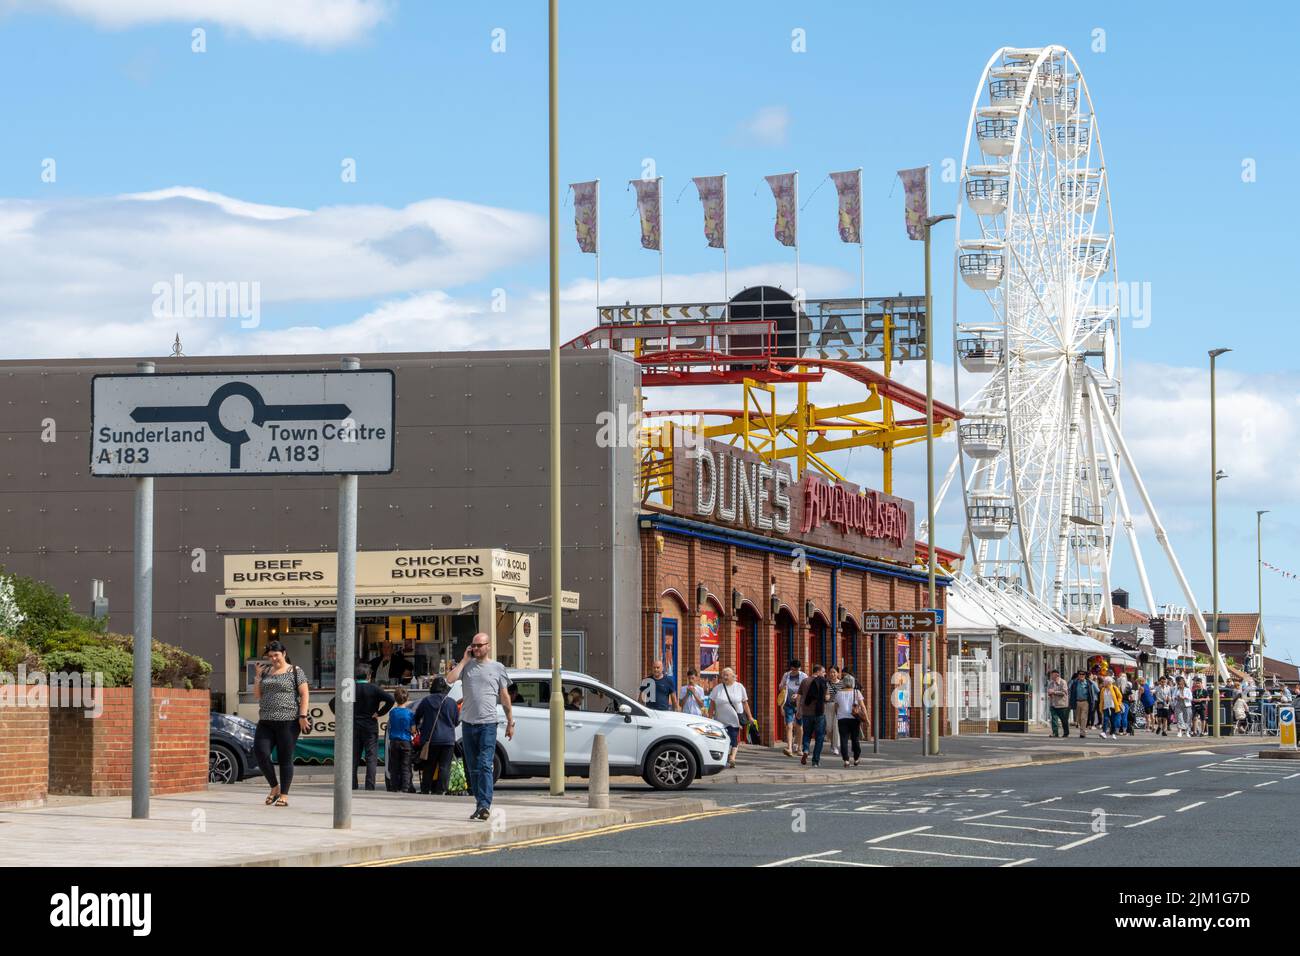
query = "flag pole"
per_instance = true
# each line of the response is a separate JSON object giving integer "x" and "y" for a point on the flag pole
{"x": 862, "y": 265}
{"x": 662, "y": 317}
{"x": 726, "y": 294}
{"x": 598, "y": 251}
{"x": 797, "y": 287}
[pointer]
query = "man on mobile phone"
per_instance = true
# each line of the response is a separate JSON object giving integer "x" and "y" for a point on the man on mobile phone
{"x": 485, "y": 684}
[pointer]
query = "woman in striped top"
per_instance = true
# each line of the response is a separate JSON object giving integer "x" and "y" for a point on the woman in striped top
{"x": 282, "y": 693}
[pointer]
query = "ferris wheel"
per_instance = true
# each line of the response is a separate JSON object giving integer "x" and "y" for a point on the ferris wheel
{"x": 1036, "y": 335}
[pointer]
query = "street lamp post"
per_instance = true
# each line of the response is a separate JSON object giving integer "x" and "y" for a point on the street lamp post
{"x": 1259, "y": 576}
{"x": 557, "y": 624}
{"x": 931, "y": 739}
{"x": 1215, "y": 475}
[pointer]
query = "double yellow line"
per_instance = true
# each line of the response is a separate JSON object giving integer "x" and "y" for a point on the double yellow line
{"x": 552, "y": 841}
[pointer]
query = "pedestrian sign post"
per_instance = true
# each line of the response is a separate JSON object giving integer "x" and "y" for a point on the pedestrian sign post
{"x": 900, "y": 622}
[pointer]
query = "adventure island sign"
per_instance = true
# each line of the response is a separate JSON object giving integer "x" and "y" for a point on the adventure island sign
{"x": 734, "y": 487}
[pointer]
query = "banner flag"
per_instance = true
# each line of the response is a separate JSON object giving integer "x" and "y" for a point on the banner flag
{"x": 787, "y": 216}
{"x": 916, "y": 184}
{"x": 649, "y": 203}
{"x": 849, "y": 187}
{"x": 586, "y": 205}
{"x": 714, "y": 199}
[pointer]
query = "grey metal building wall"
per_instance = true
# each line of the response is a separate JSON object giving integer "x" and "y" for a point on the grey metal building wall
{"x": 471, "y": 471}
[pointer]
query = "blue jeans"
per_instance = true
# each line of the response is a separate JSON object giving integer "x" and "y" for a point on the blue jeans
{"x": 479, "y": 741}
{"x": 814, "y": 726}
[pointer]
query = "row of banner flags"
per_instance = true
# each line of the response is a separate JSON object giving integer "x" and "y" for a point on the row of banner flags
{"x": 713, "y": 197}
{"x": 1282, "y": 571}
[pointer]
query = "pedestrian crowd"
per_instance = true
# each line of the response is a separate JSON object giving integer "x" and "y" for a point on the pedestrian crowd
{"x": 1116, "y": 705}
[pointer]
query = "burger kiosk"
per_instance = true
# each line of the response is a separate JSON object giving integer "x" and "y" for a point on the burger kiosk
{"x": 418, "y": 609}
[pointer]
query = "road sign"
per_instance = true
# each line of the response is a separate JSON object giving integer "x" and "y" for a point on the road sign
{"x": 1286, "y": 727}
{"x": 268, "y": 423}
{"x": 890, "y": 622}
{"x": 938, "y": 616}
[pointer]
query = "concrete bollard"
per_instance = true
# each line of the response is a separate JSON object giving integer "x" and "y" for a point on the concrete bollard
{"x": 598, "y": 781}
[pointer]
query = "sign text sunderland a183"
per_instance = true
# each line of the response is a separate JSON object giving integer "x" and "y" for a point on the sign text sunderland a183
{"x": 329, "y": 422}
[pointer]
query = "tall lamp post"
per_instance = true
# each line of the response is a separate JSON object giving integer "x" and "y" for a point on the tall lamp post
{"x": 1259, "y": 575}
{"x": 557, "y": 631}
{"x": 1215, "y": 475}
{"x": 932, "y": 642}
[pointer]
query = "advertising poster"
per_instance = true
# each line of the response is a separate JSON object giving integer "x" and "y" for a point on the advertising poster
{"x": 709, "y": 644}
{"x": 903, "y": 665}
{"x": 668, "y": 647}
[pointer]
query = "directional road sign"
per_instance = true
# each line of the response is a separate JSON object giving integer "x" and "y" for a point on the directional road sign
{"x": 890, "y": 622}
{"x": 267, "y": 423}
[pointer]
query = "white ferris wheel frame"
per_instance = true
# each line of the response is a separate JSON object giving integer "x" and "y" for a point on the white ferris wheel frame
{"x": 1090, "y": 426}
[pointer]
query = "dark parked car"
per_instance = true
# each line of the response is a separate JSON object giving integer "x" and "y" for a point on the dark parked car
{"x": 230, "y": 748}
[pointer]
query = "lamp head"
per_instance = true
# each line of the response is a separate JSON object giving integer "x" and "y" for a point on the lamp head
{"x": 1220, "y": 475}
{"x": 1215, "y": 353}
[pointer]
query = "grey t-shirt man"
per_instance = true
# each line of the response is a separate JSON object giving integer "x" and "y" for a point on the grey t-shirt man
{"x": 481, "y": 685}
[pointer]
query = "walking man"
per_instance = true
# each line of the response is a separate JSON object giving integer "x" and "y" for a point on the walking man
{"x": 812, "y": 709}
{"x": 1083, "y": 696}
{"x": 1058, "y": 699}
{"x": 658, "y": 692}
{"x": 485, "y": 685}
{"x": 371, "y": 704}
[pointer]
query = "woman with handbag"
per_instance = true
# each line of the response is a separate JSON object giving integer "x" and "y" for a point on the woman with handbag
{"x": 851, "y": 707}
{"x": 282, "y": 694}
{"x": 437, "y": 717}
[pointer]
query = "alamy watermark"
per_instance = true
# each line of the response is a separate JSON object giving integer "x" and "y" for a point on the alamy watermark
{"x": 64, "y": 690}
{"x": 178, "y": 298}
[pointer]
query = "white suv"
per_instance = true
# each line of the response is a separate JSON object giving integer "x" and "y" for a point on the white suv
{"x": 668, "y": 749}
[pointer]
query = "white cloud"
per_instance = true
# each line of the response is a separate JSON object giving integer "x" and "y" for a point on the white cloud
{"x": 78, "y": 277}
{"x": 323, "y": 23}
{"x": 770, "y": 126}
{"x": 1166, "y": 422}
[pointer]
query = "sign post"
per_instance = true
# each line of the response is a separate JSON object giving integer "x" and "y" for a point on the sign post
{"x": 142, "y": 642}
{"x": 345, "y": 638}
{"x": 145, "y": 425}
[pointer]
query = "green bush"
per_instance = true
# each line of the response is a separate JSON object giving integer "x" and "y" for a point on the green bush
{"x": 108, "y": 661}
{"x": 53, "y": 637}
{"x": 14, "y": 652}
{"x": 47, "y": 613}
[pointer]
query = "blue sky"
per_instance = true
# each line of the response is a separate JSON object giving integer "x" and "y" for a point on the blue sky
{"x": 414, "y": 94}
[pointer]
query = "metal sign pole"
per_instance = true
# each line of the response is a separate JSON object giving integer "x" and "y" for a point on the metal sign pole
{"x": 345, "y": 644}
{"x": 142, "y": 642}
{"x": 875, "y": 693}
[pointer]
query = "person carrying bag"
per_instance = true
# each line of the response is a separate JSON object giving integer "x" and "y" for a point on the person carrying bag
{"x": 437, "y": 717}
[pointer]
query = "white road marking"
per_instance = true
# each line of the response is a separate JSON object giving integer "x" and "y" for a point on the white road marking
{"x": 1095, "y": 789}
{"x": 953, "y": 836}
{"x": 1292, "y": 776}
{"x": 1008, "y": 826}
{"x": 1190, "y": 806}
{"x": 1233, "y": 794}
{"x": 890, "y": 836}
{"x": 1028, "y": 859}
{"x": 1266, "y": 783}
{"x": 1141, "y": 780}
{"x": 787, "y": 806}
{"x": 1162, "y": 792}
{"x": 1064, "y": 823}
{"x": 960, "y": 856}
{"x": 1174, "y": 773}
{"x": 1088, "y": 839}
{"x": 1109, "y": 813}
{"x": 797, "y": 859}
{"x": 1129, "y": 826}
{"x": 1040, "y": 802}
{"x": 980, "y": 816}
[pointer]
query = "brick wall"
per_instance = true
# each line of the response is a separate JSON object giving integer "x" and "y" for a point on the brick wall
{"x": 92, "y": 756}
{"x": 679, "y": 565}
{"x": 24, "y": 756}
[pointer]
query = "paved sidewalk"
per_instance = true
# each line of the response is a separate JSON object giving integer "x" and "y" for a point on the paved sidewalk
{"x": 231, "y": 826}
{"x": 903, "y": 758}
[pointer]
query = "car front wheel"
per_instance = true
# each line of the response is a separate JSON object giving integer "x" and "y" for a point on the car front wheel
{"x": 670, "y": 766}
{"x": 223, "y": 765}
